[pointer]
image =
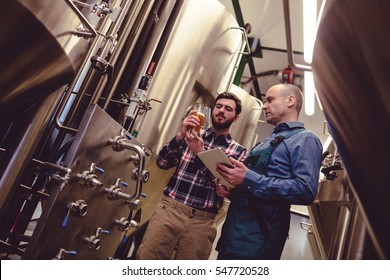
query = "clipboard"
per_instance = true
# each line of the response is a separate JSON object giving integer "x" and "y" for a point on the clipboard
{"x": 210, "y": 158}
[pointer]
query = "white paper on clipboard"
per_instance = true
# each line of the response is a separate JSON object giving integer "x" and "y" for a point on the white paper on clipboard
{"x": 210, "y": 158}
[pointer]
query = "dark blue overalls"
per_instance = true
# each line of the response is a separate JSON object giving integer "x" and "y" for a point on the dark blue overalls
{"x": 255, "y": 228}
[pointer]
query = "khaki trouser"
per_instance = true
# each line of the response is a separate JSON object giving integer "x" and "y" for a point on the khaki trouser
{"x": 175, "y": 225}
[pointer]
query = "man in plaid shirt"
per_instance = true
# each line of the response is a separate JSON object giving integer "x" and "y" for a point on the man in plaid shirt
{"x": 184, "y": 219}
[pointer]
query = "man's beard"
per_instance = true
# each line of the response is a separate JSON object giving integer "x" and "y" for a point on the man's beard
{"x": 219, "y": 126}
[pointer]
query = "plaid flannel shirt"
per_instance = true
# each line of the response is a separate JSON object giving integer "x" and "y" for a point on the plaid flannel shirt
{"x": 192, "y": 183}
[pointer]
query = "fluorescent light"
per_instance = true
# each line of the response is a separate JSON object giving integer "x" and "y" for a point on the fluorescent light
{"x": 309, "y": 93}
{"x": 261, "y": 22}
{"x": 309, "y": 28}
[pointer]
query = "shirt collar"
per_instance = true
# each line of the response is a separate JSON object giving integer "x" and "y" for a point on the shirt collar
{"x": 210, "y": 131}
{"x": 287, "y": 126}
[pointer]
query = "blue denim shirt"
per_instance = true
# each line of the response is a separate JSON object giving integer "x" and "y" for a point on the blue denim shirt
{"x": 293, "y": 169}
{"x": 258, "y": 219}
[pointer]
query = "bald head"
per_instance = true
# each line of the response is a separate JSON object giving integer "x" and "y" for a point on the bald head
{"x": 283, "y": 102}
{"x": 290, "y": 89}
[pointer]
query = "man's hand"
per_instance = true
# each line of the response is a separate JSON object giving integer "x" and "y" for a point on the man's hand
{"x": 189, "y": 123}
{"x": 221, "y": 190}
{"x": 194, "y": 141}
{"x": 234, "y": 175}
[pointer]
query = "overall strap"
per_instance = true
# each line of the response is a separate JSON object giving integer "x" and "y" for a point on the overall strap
{"x": 280, "y": 138}
{"x": 259, "y": 163}
{"x": 258, "y": 160}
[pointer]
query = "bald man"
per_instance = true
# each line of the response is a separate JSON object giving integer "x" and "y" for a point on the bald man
{"x": 281, "y": 170}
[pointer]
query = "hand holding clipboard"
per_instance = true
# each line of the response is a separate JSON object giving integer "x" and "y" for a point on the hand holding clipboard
{"x": 210, "y": 158}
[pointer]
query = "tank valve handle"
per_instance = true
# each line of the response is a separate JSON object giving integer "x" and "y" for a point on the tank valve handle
{"x": 123, "y": 224}
{"x": 79, "y": 208}
{"x": 115, "y": 191}
{"x": 88, "y": 178}
{"x": 61, "y": 254}
{"x": 93, "y": 242}
{"x": 56, "y": 176}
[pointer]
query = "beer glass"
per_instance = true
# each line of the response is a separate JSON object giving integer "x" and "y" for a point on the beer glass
{"x": 201, "y": 112}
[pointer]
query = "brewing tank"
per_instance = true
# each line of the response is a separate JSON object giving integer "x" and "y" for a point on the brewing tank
{"x": 353, "y": 86}
{"x": 103, "y": 185}
{"x": 198, "y": 62}
{"x": 41, "y": 51}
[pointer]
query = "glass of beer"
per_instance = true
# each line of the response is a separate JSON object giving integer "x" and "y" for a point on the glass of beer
{"x": 200, "y": 111}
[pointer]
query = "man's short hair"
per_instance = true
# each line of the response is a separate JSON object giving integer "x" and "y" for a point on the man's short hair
{"x": 229, "y": 95}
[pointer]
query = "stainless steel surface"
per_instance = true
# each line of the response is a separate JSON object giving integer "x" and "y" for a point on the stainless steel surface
{"x": 111, "y": 46}
{"x": 160, "y": 23}
{"x": 333, "y": 194}
{"x": 88, "y": 213}
{"x": 137, "y": 18}
{"x": 106, "y": 201}
{"x": 40, "y": 53}
{"x": 244, "y": 129}
{"x": 201, "y": 53}
{"x": 350, "y": 66}
{"x": 338, "y": 229}
{"x": 20, "y": 153}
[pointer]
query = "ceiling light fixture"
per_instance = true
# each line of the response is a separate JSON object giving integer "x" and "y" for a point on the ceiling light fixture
{"x": 309, "y": 28}
{"x": 309, "y": 93}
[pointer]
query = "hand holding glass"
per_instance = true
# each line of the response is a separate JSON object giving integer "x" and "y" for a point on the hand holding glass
{"x": 201, "y": 112}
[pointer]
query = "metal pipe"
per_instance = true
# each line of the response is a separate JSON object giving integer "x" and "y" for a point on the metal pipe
{"x": 81, "y": 75}
{"x": 244, "y": 43}
{"x": 135, "y": 24}
{"x": 287, "y": 24}
{"x": 83, "y": 20}
{"x": 121, "y": 143}
{"x": 109, "y": 45}
{"x": 23, "y": 152}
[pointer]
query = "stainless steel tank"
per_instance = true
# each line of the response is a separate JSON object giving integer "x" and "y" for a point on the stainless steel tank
{"x": 244, "y": 130}
{"x": 41, "y": 49}
{"x": 199, "y": 61}
{"x": 350, "y": 67}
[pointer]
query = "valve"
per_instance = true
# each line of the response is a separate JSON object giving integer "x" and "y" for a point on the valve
{"x": 135, "y": 205}
{"x": 116, "y": 143}
{"x": 123, "y": 224}
{"x": 138, "y": 174}
{"x": 330, "y": 164}
{"x": 88, "y": 178}
{"x": 115, "y": 191}
{"x": 134, "y": 159}
{"x": 79, "y": 208}
{"x": 134, "y": 224}
{"x": 101, "y": 9}
{"x": 93, "y": 242}
{"x": 56, "y": 176}
{"x": 61, "y": 254}
{"x": 146, "y": 150}
{"x": 144, "y": 175}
